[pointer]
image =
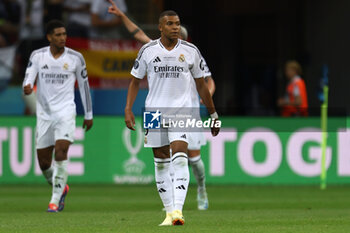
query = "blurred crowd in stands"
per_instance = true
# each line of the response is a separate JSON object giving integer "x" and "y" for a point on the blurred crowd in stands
{"x": 22, "y": 30}
{"x": 22, "y": 24}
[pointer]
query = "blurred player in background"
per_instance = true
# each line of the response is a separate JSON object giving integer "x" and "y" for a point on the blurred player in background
{"x": 55, "y": 69}
{"x": 104, "y": 25}
{"x": 174, "y": 93}
{"x": 295, "y": 101}
{"x": 78, "y": 17}
{"x": 196, "y": 139}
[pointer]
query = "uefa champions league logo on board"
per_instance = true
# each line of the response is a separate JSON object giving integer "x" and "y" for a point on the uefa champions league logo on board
{"x": 133, "y": 167}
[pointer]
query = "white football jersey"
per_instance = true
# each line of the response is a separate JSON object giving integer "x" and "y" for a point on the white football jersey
{"x": 55, "y": 80}
{"x": 169, "y": 73}
{"x": 194, "y": 93}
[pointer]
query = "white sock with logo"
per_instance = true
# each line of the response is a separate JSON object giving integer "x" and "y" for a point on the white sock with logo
{"x": 60, "y": 176}
{"x": 164, "y": 183}
{"x": 48, "y": 175}
{"x": 181, "y": 179}
{"x": 198, "y": 171}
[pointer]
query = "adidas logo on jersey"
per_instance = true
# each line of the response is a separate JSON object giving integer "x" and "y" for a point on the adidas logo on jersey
{"x": 45, "y": 67}
{"x": 183, "y": 136}
{"x": 157, "y": 59}
{"x": 181, "y": 187}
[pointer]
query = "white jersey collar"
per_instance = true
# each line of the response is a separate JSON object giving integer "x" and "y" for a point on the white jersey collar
{"x": 162, "y": 46}
{"x": 62, "y": 55}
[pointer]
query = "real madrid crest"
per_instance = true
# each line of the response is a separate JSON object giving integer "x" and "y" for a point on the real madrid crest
{"x": 65, "y": 66}
{"x": 181, "y": 58}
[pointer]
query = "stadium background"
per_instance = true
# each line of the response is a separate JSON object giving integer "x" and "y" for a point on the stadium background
{"x": 245, "y": 44}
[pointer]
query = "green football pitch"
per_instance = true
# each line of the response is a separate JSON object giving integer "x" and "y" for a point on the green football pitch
{"x": 113, "y": 208}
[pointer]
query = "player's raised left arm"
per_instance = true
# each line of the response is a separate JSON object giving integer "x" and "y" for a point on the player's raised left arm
{"x": 84, "y": 90}
{"x": 138, "y": 33}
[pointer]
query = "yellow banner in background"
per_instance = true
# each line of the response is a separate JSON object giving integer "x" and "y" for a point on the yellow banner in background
{"x": 109, "y": 64}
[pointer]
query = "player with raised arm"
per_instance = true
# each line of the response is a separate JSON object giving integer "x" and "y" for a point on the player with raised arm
{"x": 55, "y": 69}
{"x": 196, "y": 139}
{"x": 170, "y": 64}
{"x": 130, "y": 26}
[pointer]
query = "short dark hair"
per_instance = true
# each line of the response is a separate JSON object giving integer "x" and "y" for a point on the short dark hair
{"x": 167, "y": 13}
{"x": 293, "y": 64}
{"x": 52, "y": 25}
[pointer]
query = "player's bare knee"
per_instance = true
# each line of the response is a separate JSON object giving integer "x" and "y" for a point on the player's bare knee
{"x": 45, "y": 158}
{"x": 179, "y": 146}
{"x": 161, "y": 152}
{"x": 193, "y": 153}
{"x": 44, "y": 164}
{"x": 61, "y": 155}
{"x": 61, "y": 150}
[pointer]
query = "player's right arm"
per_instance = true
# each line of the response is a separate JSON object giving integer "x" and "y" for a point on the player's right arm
{"x": 132, "y": 93}
{"x": 130, "y": 26}
{"x": 138, "y": 72}
{"x": 30, "y": 75}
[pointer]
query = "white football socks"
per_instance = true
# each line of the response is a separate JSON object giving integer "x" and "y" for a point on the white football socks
{"x": 164, "y": 183}
{"x": 48, "y": 175}
{"x": 60, "y": 176}
{"x": 198, "y": 171}
{"x": 181, "y": 179}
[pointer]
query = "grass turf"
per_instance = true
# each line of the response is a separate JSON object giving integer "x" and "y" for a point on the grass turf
{"x": 103, "y": 208}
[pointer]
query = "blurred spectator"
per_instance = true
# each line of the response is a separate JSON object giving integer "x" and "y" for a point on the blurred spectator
{"x": 31, "y": 32}
{"x": 104, "y": 25}
{"x": 32, "y": 12}
{"x": 7, "y": 55}
{"x": 53, "y": 10}
{"x": 295, "y": 102}
{"x": 9, "y": 29}
{"x": 9, "y": 22}
{"x": 79, "y": 18}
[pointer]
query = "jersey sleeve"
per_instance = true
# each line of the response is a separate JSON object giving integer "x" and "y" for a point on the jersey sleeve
{"x": 139, "y": 69}
{"x": 84, "y": 89}
{"x": 206, "y": 71}
{"x": 31, "y": 71}
{"x": 197, "y": 70}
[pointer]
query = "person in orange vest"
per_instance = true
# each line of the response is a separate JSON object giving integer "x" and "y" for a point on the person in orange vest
{"x": 295, "y": 101}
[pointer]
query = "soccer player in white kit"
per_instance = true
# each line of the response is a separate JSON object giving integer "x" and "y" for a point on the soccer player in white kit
{"x": 195, "y": 139}
{"x": 55, "y": 69}
{"x": 170, "y": 65}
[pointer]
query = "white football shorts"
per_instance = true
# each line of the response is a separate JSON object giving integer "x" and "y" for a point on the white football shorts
{"x": 161, "y": 137}
{"x": 49, "y": 131}
{"x": 196, "y": 140}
